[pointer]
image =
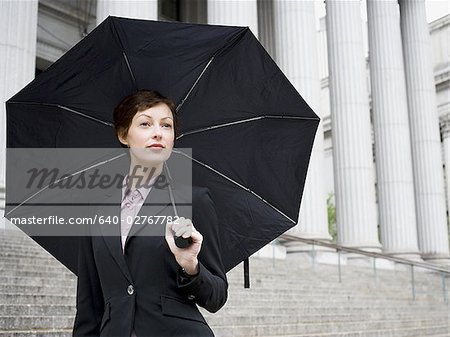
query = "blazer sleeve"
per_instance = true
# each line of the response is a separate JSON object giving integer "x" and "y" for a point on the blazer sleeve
{"x": 90, "y": 303}
{"x": 209, "y": 288}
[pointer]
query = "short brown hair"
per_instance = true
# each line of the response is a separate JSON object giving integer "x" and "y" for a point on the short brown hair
{"x": 140, "y": 101}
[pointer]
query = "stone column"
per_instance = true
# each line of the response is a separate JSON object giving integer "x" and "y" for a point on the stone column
{"x": 136, "y": 9}
{"x": 392, "y": 137}
{"x": 234, "y": 13}
{"x": 18, "y": 25}
{"x": 445, "y": 132}
{"x": 295, "y": 28}
{"x": 425, "y": 137}
{"x": 356, "y": 214}
{"x": 266, "y": 26}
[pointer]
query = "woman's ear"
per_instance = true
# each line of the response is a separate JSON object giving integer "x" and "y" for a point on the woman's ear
{"x": 122, "y": 139}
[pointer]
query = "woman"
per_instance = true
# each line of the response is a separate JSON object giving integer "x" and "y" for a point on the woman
{"x": 135, "y": 284}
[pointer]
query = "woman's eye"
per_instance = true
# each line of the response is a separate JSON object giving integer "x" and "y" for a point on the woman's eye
{"x": 145, "y": 124}
{"x": 167, "y": 125}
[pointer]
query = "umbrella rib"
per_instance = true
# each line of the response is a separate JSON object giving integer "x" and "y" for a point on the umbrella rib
{"x": 204, "y": 69}
{"x": 67, "y": 109}
{"x": 64, "y": 178}
{"x": 125, "y": 55}
{"x": 243, "y": 121}
{"x": 129, "y": 69}
{"x": 195, "y": 83}
{"x": 235, "y": 183}
{"x": 84, "y": 115}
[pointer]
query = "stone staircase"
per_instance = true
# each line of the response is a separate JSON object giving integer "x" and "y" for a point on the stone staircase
{"x": 286, "y": 298}
{"x": 289, "y": 300}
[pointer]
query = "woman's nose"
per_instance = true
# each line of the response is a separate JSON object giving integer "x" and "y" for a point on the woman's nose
{"x": 157, "y": 133}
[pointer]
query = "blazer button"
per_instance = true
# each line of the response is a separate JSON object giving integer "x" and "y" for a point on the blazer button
{"x": 130, "y": 290}
{"x": 191, "y": 297}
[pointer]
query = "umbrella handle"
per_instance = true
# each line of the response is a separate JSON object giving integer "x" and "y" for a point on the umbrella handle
{"x": 180, "y": 241}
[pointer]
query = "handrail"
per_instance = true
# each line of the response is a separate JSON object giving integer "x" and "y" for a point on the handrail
{"x": 424, "y": 265}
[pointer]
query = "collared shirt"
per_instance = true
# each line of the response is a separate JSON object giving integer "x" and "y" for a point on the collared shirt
{"x": 132, "y": 201}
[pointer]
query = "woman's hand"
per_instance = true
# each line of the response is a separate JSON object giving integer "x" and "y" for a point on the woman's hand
{"x": 185, "y": 257}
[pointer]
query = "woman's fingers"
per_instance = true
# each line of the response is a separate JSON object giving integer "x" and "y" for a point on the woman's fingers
{"x": 196, "y": 236}
{"x": 185, "y": 257}
{"x": 183, "y": 227}
{"x": 185, "y": 231}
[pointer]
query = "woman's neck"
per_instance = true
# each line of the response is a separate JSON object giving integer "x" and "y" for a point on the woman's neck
{"x": 143, "y": 174}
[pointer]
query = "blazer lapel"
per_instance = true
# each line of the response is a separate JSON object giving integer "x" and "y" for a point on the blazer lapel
{"x": 156, "y": 201}
{"x": 111, "y": 231}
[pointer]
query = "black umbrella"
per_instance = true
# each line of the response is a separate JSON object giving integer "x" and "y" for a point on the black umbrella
{"x": 250, "y": 131}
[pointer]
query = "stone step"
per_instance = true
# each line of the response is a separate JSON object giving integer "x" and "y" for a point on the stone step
{"x": 348, "y": 289}
{"x": 264, "y": 279}
{"x": 41, "y": 285}
{"x": 32, "y": 267}
{"x": 313, "y": 302}
{"x": 263, "y": 303}
{"x": 243, "y": 327}
{"x": 243, "y": 311}
{"x": 419, "y": 310}
{"x": 293, "y": 280}
{"x": 332, "y": 327}
{"x": 64, "y": 274}
{"x": 289, "y": 263}
{"x": 344, "y": 287}
{"x": 37, "y": 281}
{"x": 324, "y": 275}
{"x": 338, "y": 318}
{"x": 32, "y": 299}
{"x": 27, "y": 273}
{"x": 36, "y": 260}
{"x": 435, "y": 296}
{"x": 25, "y": 292}
{"x": 21, "y": 248}
{"x": 434, "y": 331}
{"x": 282, "y": 288}
{"x": 36, "y": 310}
{"x": 37, "y": 333}
{"x": 329, "y": 276}
{"x": 24, "y": 248}
{"x": 23, "y": 322}
{"x": 36, "y": 290}
{"x": 292, "y": 303}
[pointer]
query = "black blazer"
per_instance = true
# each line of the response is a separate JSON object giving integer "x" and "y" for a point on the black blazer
{"x": 144, "y": 288}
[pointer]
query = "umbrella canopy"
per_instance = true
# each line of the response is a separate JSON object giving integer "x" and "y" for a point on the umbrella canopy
{"x": 250, "y": 131}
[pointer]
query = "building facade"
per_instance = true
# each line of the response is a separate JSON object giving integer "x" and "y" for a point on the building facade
{"x": 382, "y": 89}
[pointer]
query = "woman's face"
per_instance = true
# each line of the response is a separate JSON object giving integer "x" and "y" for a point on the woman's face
{"x": 151, "y": 135}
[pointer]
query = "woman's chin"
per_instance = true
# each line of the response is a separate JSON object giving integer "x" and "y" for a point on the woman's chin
{"x": 150, "y": 156}
{"x": 150, "y": 161}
